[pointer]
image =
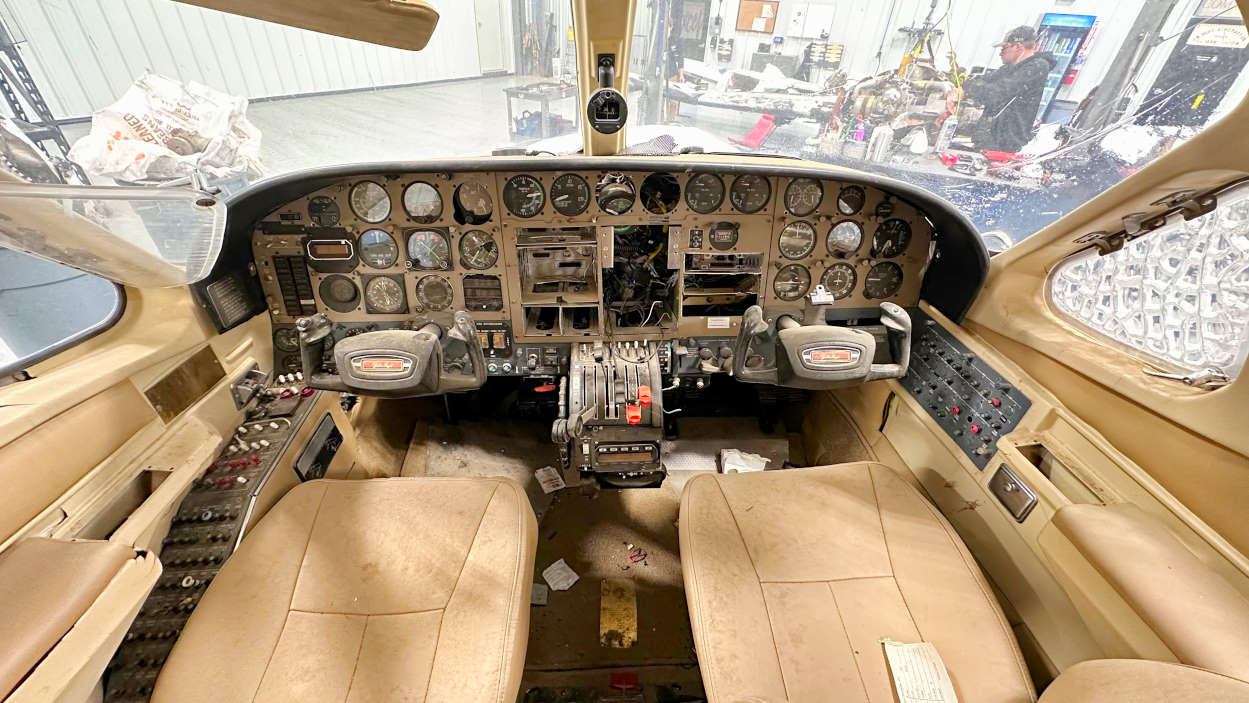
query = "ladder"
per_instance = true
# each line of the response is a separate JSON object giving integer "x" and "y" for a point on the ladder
{"x": 17, "y": 85}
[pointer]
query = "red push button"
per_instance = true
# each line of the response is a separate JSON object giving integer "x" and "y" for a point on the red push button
{"x": 955, "y": 410}
{"x": 633, "y": 414}
{"x": 255, "y": 459}
{"x": 997, "y": 402}
{"x": 975, "y": 429}
{"x": 305, "y": 392}
{"x": 644, "y": 395}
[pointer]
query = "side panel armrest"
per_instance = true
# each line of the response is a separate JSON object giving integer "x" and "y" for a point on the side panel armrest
{"x": 1140, "y": 681}
{"x": 1125, "y": 564}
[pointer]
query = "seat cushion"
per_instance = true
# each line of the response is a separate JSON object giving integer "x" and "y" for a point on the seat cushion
{"x": 794, "y": 577}
{"x": 402, "y": 589}
{"x": 1141, "y": 681}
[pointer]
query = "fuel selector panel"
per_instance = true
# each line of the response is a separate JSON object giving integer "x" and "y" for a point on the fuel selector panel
{"x": 966, "y": 397}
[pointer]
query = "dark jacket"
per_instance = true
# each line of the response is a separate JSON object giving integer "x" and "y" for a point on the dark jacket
{"x": 1011, "y": 96}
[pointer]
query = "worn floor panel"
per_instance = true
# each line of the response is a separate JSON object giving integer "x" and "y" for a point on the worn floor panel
{"x": 508, "y": 448}
{"x": 591, "y": 530}
{"x": 660, "y": 684}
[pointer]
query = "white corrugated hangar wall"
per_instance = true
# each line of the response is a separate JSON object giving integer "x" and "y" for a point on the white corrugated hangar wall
{"x": 83, "y": 54}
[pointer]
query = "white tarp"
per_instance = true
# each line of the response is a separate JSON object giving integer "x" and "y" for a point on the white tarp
{"x": 162, "y": 130}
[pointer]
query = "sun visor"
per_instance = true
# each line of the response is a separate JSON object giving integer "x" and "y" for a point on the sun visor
{"x": 142, "y": 237}
{"x": 403, "y": 24}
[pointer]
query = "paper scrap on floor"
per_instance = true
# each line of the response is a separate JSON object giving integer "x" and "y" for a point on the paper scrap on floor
{"x": 550, "y": 479}
{"x": 559, "y": 576}
{"x": 735, "y": 461}
{"x": 919, "y": 675}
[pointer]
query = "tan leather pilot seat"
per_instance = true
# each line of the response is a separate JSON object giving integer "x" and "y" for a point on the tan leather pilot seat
{"x": 794, "y": 577}
{"x": 403, "y": 589}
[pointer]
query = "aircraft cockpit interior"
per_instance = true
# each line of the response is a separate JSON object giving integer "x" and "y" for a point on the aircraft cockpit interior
{"x": 624, "y": 351}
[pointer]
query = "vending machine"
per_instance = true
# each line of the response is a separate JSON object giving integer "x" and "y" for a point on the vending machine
{"x": 1062, "y": 35}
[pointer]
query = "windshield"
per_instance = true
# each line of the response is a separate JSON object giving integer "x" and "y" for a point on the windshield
{"x": 1016, "y": 112}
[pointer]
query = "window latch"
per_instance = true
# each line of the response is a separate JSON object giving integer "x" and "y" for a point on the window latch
{"x": 1205, "y": 379}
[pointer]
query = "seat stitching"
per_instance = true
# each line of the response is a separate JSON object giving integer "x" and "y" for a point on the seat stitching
{"x": 766, "y": 610}
{"x": 857, "y": 669}
{"x": 846, "y": 578}
{"x": 974, "y": 570}
{"x": 320, "y": 501}
{"x": 365, "y": 615}
{"x": 443, "y": 619}
{"x": 511, "y": 600}
{"x": 880, "y": 515}
{"x": 356, "y": 667}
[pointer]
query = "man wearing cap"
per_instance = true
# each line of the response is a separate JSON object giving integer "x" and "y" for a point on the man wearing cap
{"x": 1011, "y": 95}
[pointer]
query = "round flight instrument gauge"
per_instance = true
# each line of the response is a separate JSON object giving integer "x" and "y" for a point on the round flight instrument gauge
{"x": 844, "y": 238}
{"x": 524, "y": 195}
{"x": 422, "y": 202}
{"x": 323, "y": 211}
{"x": 378, "y": 249}
{"x": 797, "y": 240}
{"x": 614, "y": 193}
{"x": 473, "y": 205}
{"x": 339, "y": 293}
{"x": 883, "y": 280}
{"x": 723, "y": 236}
{"x": 884, "y": 209}
{"x": 750, "y": 193}
{"x": 839, "y": 279}
{"x": 478, "y": 250}
{"x": 660, "y": 193}
{"x": 803, "y": 196}
{"x": 570, "y": 194}
{"x": 791, "y": 282}
{"x": 434, "y": 293}
{"x": 369, "y": 201}
{"x": 704, "y": 193}
{"x": 850, "y": 200}
{"x": 428, "y": 249}
{"x": 891, "y": 239}
{"x": 384, "y": 295}
{"x": 286, "y": 339}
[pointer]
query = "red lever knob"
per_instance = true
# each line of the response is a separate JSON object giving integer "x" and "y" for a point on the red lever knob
{"x": 955, "y": 409}
{"x": 644, "y": 395}
{"x": 633, "y": 414}
{"x": 997, "y": 402}
{"x": 975, "y": 429}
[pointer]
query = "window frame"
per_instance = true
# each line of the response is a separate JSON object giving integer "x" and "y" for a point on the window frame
{"x": 119, "y": 308}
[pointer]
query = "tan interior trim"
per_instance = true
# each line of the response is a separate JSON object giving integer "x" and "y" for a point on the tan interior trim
{"x": 402, "y": 24}
{"x": 73, "y": 668}
{"x": 603, "y": 27}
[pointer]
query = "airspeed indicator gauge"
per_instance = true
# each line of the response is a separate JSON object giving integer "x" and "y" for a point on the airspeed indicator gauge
{"x": 369, "y": 201}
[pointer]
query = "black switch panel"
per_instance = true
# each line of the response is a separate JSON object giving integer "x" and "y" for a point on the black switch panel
{"x": 966, "y": 397}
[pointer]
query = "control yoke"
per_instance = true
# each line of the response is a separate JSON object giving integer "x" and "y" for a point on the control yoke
{"x": 394, "y": 363}
{"x": 818, "y": 356}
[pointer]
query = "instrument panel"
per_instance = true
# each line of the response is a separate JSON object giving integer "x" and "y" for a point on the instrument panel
{"x": 566, "y": 255}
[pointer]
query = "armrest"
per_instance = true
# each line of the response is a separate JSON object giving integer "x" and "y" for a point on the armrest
{"x": 45, "y": 587}
{"x": 1141, "y": 681}
{"x": 1192, "y": 610}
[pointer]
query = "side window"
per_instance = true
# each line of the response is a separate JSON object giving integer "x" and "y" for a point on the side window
{"x": 46, "y": 307}
{"x": 1177, "y": 297}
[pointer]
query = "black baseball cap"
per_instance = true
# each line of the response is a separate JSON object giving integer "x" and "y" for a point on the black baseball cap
{"x": 1019, "y": 35}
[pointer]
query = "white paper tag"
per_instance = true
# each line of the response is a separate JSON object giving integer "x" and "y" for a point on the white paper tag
{"x": 718, "y": 323}
{"x": 549, "y": 478}
{"x": 559, "y": 576}
{"x": 919, "y": 675}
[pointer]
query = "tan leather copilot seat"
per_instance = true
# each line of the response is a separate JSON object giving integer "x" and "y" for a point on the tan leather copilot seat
{"x": 793, "y": 578}
{"x": 403, "y": 589}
